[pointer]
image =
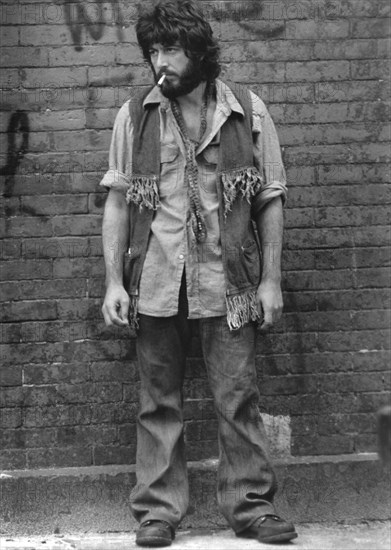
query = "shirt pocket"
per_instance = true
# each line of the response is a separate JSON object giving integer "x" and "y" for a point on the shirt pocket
{"x": 207, "y": 167}
{"x": 170, "y": 169}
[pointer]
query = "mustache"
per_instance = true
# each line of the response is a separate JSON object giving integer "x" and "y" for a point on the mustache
{"x": 161, "y": 73}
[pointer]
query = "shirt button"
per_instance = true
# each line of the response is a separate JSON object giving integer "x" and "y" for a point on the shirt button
{"x": 181, "y": 256}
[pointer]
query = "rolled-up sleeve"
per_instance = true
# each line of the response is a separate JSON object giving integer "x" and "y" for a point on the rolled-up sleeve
{"x": 267, "y": 156}
{"x": 120, "y": 156}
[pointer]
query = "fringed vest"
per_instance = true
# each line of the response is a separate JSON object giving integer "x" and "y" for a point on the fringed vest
{"x": 237, "y": 182}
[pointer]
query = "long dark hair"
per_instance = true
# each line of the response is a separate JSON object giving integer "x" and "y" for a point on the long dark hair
{"x": 171, "y": 21}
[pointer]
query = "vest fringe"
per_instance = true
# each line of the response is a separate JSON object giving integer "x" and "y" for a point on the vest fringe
{"x": 247, "y": 181}
{"x": 241, "y": 309}
{"x": 143, "y": 191}
{"x": 133, "y": 312}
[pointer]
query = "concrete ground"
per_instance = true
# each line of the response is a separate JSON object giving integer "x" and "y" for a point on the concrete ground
{"x": 375, "y": 535}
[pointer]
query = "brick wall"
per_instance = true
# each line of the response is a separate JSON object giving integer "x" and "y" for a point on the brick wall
{"x": 69, "y": 385}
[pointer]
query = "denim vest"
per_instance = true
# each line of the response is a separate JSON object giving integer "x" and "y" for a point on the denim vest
{"x": 238, "y": 181}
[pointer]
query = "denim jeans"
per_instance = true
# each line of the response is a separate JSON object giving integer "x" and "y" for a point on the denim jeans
{"x": 246, "y": 479}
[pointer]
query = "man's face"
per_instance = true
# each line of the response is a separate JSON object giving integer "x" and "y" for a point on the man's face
{"x": 182, "y": 74}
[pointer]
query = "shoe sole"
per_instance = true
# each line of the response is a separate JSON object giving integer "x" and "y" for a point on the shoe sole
{"x": 281, "y": 537}
{"x": 153, "y": 541}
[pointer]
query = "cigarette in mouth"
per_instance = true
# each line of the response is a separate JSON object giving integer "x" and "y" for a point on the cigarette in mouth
{"x": 161, "y": 80}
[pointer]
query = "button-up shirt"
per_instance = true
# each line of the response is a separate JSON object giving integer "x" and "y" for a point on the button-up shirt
{"x": 172, "y": 245}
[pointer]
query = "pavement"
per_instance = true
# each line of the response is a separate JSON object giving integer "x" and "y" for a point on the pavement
{"x": 373, "y": 535}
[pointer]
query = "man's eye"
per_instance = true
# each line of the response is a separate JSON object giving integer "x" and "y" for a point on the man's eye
{"x": 152, "y": 52}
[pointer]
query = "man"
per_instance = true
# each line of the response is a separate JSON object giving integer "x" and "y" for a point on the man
{"x": 199, "y": 164}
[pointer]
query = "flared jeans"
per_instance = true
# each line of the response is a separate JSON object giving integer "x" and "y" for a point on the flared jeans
{"x": 246, "y": 481}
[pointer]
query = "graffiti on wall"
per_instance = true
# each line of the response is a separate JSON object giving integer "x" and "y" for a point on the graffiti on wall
{"x": 17, "y": 146}
{"x": 91, "y": 16}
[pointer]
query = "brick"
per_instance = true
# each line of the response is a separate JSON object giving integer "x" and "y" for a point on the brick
{"x": 291, "y": 260}
{"x": 372, "y": 401}
{"x": 346, "y": 383}
{"x": 90, "y": 55}
{"x": 114, "y": 455}
{"x": 44, "y": 289}
{"x": 372, "y": 28}
{"x": 354, "y": 257}
{"x": 312, "y": 113}
{"x": 9, "y": 36}
{"x": 58, "y": 120}
{"x": 79, "y": 309}
{"x": 83, "y": 140}
{"x": 29, "y": 269}
{"x": 299, "y": 30}
{"x": 100, "y": 118}
{"x": 59, "y": 457}
{"x": 56, "y": 248}
{"x": 119, "y": 76}
{"x": 17, "y": 56}
{"x": 366, "y": 443}
{"x": 34, "y": 227}
{"x": 127, "y": 434}
{"x": 11, "y": 375}
{"x": 45, "y": 35}
{"x": 28, "y": 310}
{"x": 299, "y": 217}
{"x": 10, "y": 418}
{"x": 372, "y": 361}
{"x": 114, "y": 371}
{"x": 56, "y": 205}
{"x": 275, "y": 92}
{"x": 229, "y": 31}
{"x": 370, "y": 173}
{"x": 316, "y": 238}
{"x": 368, "y": 299}
{"x": 15, "y": 459}
{"x": 37, "y": 374}
{"x": 318, "y": 280}
{"x": 366, "y": 8}
{"x": 126, "y": 53}
{"x": 346, "y": 49}
{"x": 356, "y": 215}
{"x": 310, "y": 155}
{"x": 77, "y": 225}
{"x": 88, "y": 435}
{"x": 247, "y": 72}
{"x": 78, "y": 267}
{"x": 322, "y": 445}
{"x": 367, "y": 70}
{"x": 347, "y": 424}
{"x": 372, "y": 277}
{"x": 55, "y": 78}
{"x": 332, "y": 133}
{"x": 276, "y": 50}
{"x": 10, "y": 396}
{"x": 354, "y": 340}
{"x": 354, "y": 90}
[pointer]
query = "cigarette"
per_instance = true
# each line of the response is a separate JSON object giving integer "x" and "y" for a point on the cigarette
{"x": 161, "y": 80}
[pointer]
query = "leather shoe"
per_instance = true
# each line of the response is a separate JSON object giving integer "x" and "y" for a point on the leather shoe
{"x": 155, "y": 532}
{"x": 270, "y": 528}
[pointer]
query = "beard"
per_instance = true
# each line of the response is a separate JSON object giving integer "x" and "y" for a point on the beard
{"x": 190, "y": 78}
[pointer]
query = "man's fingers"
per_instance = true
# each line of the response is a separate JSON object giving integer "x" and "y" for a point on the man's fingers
{"x": 115, "y": 314}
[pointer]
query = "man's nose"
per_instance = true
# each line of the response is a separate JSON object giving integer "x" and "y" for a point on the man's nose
{"x": 161, "y": 61}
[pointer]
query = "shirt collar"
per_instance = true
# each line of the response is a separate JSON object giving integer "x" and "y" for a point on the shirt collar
{"x": 225, "y": 99}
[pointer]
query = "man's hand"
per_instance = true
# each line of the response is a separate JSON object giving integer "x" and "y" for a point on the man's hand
{"x": 116, "y": 306}
{"x": 269, "y": 304}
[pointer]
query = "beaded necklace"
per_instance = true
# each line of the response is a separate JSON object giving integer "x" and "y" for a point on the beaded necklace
{"x": 191, "y": 170}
